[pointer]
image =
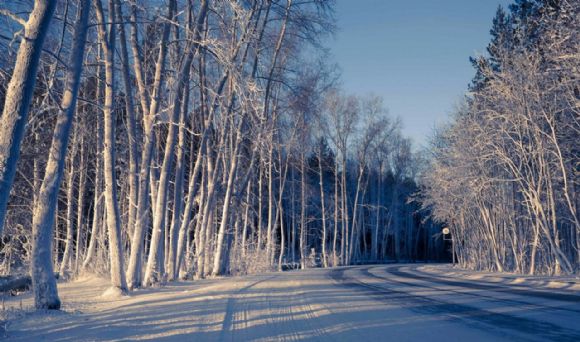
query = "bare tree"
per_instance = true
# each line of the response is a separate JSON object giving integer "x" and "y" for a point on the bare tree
{"x": 43, "y": 280}
{"x": 19, "y": 95}
{"x": 107, "y": 39}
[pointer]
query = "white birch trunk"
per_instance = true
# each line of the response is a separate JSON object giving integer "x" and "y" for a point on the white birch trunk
{"x": 66, "y": 257}
{"x": 323, "y": 209}
{"x": 43, "y": 281}
{"x": 150, "y": 109}
{"x": 19, "y": 96}
{"x": 80, "y": 207}
{"x": 111, "y": 200}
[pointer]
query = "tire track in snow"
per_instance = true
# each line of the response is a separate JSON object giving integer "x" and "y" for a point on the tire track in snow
{"x": 311, "y": 315}
{"x": 288, "y": 312}
{"x": 227, "y": 324}
{"x": 396, "y": 271}
{"x": 467, "y": 314}
{"x": 284, "y": 308}
{"x": 563, "y": 297}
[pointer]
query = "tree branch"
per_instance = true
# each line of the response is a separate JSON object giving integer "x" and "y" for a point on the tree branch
{"x": 13, "y": 16}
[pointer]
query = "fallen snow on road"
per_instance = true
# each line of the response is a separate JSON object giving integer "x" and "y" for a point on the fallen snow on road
{"x": 364, "y": 303}
{"x": 539, "y": 282}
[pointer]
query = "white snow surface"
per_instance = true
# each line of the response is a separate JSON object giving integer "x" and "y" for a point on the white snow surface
{"x": 397, "y": 302}
{"x": 539, "y": 282}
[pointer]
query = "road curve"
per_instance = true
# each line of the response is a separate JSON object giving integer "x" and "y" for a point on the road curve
{"x": 512, "y": 312}
{"x": 396, "y": 302}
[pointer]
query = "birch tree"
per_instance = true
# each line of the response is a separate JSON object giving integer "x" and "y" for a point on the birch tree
{"x": 107, "y": 39}
{"x": 19, "y": 94}
{"x": 43, "y": 280}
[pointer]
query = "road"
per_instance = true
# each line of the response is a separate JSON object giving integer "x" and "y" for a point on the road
{"x": 463, "y": 309}
{"x": 361, "y": 303}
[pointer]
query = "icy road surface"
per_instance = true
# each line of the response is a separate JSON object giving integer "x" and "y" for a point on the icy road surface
{"x": 362, "y": 303}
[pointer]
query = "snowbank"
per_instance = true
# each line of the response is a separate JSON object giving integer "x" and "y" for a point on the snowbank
{"x": 538, "y": 282}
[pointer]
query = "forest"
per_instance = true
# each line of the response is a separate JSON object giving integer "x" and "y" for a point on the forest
{"x": 150, "y": 141}
{"x": 191, "y": 139}
{"x": 505, "y": 173}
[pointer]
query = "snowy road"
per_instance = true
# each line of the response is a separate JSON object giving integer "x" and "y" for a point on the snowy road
{"x": 363, "y": 303}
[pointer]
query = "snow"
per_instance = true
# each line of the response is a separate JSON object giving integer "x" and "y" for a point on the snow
{"x": 538, "y": 282}
{"x": 372, "y": 303}
{"x": 113, "y": 293}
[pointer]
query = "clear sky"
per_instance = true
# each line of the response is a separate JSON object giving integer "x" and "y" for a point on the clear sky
{"x": 413, "y": 53}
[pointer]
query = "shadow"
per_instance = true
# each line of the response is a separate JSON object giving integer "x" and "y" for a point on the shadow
{"x": 346, "y": 303}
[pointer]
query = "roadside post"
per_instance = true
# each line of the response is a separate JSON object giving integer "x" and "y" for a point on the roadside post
{"x": 448, "y": 237}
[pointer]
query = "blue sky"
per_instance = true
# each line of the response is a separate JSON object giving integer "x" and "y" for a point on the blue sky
{"x": 413, "y": 53}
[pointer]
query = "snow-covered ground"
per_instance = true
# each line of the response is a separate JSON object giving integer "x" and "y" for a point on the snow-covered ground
{"x": 539, "y": 282}
{"x": 362, "y": 303}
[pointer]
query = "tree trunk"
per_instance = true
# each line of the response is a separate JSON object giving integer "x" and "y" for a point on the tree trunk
{"x": 66, "y": 257}
{"x": 302, "y": 212}
{"x": 323, "y": 209}
{"x": 270, "y": 228}
{"x": 43, "y": 280}
{"x": 97, "y": 199}
{"x": 131, "y": 124}
{"x": 111, "y": 201}
{"x": 246, "y": 219}
{"x": 80, "y": 203}
{"x": 172, "y": 268}
{"x": 375, "y": 236}
{"x": 354, "y": 228}
{"x": 150, "y": 109}
{"x": 335, "y": 235}
{"x": 19, "y": 96}
{"x": 280, "y": 212}
{"x": 217, "y": 266}
{"x": 344, "y": 204}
